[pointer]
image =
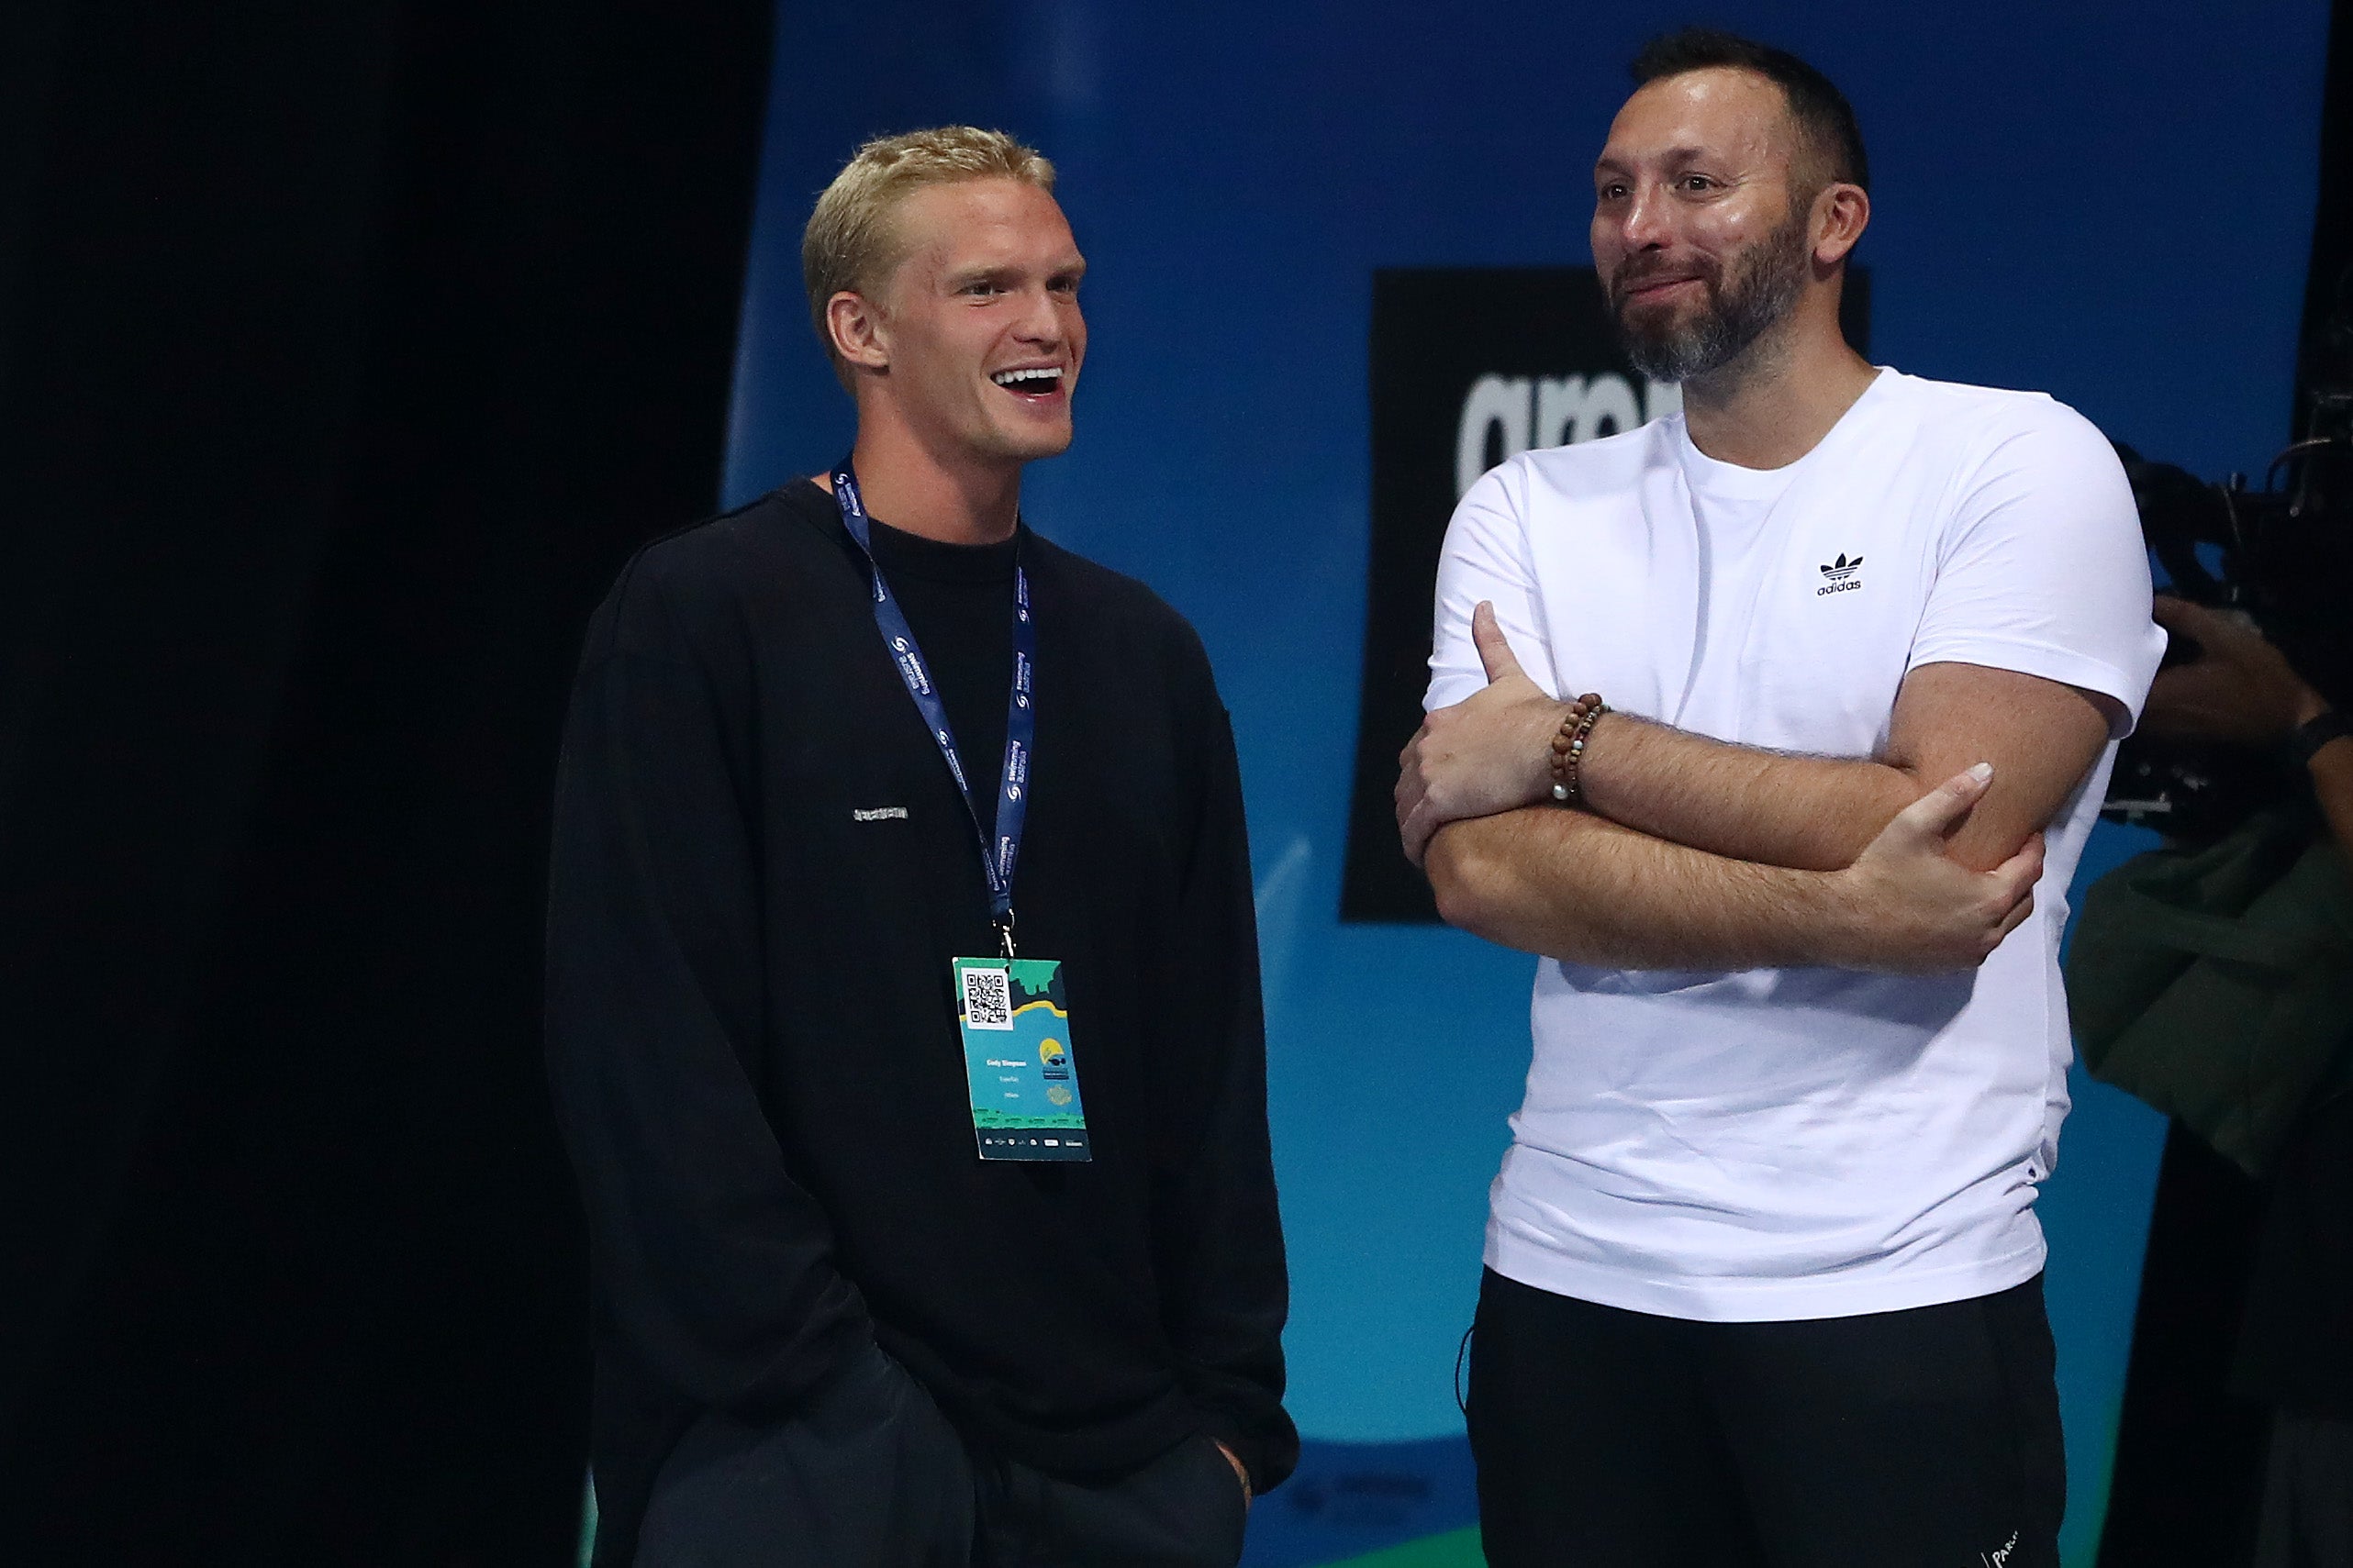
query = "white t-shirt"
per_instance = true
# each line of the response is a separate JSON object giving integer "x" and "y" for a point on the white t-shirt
{"x": 1800, "y": 1142}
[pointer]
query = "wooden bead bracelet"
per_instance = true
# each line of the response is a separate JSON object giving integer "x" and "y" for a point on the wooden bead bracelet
{"x": 1568, "y": 746}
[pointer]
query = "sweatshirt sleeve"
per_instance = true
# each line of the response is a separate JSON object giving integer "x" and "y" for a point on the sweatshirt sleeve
{"x": 1226, "y": 1290}
{"x": 712, "y": 1262}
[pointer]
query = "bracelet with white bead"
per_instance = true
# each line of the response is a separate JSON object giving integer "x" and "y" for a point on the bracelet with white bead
{"x": 1568, "y": 746}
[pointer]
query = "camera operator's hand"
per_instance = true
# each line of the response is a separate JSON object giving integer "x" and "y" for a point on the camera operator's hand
{"x": 2239, "y": 689}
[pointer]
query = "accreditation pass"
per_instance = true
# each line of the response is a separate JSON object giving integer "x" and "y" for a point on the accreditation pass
{"x": 1018, "y": 1061}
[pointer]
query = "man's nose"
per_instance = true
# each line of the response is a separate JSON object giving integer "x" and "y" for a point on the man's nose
{"x": 1645, "y": 224}
{"x": 1040, "y": 322}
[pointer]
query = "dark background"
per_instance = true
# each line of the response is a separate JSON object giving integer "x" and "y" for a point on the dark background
{"x": 345, "y": 352}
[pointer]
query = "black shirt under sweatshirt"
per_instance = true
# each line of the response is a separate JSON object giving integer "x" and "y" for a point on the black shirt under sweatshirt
{"x": 762, "y": 868}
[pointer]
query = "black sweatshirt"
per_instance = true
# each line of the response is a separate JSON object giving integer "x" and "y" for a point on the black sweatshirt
{"x": 752, "y": 1036}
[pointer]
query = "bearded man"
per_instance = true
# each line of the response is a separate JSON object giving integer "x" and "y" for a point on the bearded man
{"x": 1763, "y": 1275}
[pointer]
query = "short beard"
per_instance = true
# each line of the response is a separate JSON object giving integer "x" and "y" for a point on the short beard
{"x": 1764, "y": 287}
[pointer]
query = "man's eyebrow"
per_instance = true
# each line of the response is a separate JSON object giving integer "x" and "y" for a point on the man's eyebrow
{"x": 1609, "y": 164}
{"x": 986, "y": 272}
{"x": 1006, "y": 273}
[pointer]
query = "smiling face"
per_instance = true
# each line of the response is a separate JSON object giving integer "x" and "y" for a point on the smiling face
{"x": 1702, "y": 229}
{"x": 977, "y": 336}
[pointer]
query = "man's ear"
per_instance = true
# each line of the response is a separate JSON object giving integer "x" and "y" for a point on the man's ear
{"x": 1841, "y": 213}
{"x": 861, "y": 336}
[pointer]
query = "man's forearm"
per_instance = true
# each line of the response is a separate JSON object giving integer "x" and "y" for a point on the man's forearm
{"x": 1571, "y": 885}
{"x": 2042, "y": 737}
{"x": 1806, "y": 812}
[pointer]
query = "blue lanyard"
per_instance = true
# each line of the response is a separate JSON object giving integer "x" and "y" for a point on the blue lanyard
{"x": 1021, "y": 720}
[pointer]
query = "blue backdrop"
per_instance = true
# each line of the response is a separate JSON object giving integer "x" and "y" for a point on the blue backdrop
{"x": 2106, "y": 201}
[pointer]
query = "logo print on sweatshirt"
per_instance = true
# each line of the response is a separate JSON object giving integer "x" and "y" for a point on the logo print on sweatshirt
{"x": 1841, "y": 573}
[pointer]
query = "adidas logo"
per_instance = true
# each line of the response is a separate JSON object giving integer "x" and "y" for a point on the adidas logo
{"x": 1841, "y": 573}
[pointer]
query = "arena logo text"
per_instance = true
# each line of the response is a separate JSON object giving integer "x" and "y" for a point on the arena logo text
{"x": 1515, "y": 414}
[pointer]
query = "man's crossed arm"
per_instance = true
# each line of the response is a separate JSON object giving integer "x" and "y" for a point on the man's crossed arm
{"x": 1700, "y": 854}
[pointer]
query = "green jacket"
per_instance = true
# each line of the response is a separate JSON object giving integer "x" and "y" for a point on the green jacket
{"x": 2215, "y": 982}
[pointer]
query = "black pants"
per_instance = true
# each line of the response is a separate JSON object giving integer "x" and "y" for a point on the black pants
{"x": 873, "y": 1476}
{"x": 1608, "y": 1439}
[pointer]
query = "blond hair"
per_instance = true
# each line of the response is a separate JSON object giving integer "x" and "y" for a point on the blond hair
{"x": 851, "y": 243}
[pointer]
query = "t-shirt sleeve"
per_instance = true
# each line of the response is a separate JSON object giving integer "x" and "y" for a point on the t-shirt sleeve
{"x": 2042, "y": 568}
{"x": 1486, "y": 557}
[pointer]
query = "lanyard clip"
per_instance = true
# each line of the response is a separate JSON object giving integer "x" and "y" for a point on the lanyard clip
{"x": 1004, "y": 924}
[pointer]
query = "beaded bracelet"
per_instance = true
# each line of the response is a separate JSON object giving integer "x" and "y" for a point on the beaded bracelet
{"x": 1568, "y": 746}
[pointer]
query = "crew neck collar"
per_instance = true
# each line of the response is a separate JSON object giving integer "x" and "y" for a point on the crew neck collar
{"x": 903, "y": 554}
{"x": 1717, "y": 477}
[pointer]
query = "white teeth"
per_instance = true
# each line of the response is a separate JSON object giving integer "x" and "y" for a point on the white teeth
{"x": 1030, "y": 380}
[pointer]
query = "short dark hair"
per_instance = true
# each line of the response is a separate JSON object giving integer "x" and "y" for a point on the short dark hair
{"x": 1820, "y": 109}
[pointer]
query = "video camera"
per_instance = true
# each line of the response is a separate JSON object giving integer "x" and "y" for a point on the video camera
{"x": 2280, "y": 555}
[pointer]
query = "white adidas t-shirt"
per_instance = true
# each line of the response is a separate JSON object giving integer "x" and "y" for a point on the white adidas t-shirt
{"x": 1800, "y": 1142}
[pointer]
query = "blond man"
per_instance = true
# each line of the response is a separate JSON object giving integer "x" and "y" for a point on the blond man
{"x": 903, "y": 1003}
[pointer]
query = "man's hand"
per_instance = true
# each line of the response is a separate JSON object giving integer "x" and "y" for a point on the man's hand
{"x": 1240, "y": 1473}
{"x": 1912, "y": 909}
{"x": 2239, "y": 689}
{"x": 1488, "y": 753}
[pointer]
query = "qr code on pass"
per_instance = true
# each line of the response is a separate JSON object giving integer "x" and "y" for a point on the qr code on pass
{"x": 989, "y": 999}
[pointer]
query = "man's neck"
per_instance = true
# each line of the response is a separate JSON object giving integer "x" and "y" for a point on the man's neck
{"x": 1774, "y": 403}
{"x": 956, "y": 500}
